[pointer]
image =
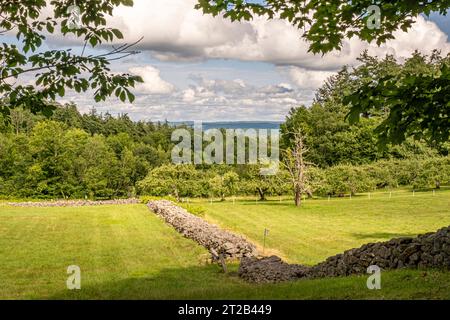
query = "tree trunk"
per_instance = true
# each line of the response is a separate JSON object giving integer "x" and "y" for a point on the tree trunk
{"x": 262, "y": 195}
{"x": 177, "y": 196}
{"x": 298, "y": 198}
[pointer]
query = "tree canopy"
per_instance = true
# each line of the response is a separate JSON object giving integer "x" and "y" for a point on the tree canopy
{"x": 416, "y": 100}
{"x": 325, "y": 24}
{"x": 332, "y": 140}
{"x": 55, "y": 71}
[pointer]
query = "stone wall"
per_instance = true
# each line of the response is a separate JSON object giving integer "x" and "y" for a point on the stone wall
{"x": 73, "y": 203}
{"x": 216, "y": 240}
{"x": 431, "y": 250}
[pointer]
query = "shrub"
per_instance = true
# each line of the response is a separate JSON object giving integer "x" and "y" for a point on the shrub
{"x": 343, "y": 179}
{"x": 196, "y": 210}
{"x": 147, "y": 199}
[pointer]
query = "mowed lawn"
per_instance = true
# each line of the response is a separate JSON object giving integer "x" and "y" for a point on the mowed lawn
{"x": 126, "y": 252}
{"x": 321, "y": 228}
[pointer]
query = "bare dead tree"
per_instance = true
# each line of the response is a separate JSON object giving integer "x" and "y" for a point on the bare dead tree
{"x": 295, "y": 163}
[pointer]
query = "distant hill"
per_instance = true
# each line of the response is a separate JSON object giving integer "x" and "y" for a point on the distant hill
{"x": 234, "y": 124}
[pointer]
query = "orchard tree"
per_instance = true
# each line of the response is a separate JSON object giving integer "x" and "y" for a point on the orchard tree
{"x": 383, "y": 173}
{"x": 349, "y": 179}
{"x": 435, "y": 172}
{"x": 254, "y": 182}
{"x": 56, "y": 71}
{"x": 177, "y": 180}
{"x": 217, "y": 187}
{"x": 231, "y": 182}
{"x": 416, "y": 101}
{"x": 318, "y": 183}
{"x": 224, "y": 185}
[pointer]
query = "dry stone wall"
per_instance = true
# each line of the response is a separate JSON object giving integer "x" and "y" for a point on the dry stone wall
{"x": 431, "y": 250}
{"x": 73, "y": 203}
{"x": 216, "y": 240}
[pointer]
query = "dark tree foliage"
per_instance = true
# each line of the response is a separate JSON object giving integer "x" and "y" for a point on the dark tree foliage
{"x": 333, "y": 140}
{"x": 75, "y": 156}
{"x": 56, "y": 71}
{"x": 417, "y": 102}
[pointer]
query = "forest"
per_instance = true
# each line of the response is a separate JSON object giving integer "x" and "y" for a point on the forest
{"x": 100, "y": 156}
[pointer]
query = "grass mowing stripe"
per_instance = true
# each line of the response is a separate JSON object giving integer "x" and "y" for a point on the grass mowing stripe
{"x": 128, "y": 253}
{"x": 321, "y": 228}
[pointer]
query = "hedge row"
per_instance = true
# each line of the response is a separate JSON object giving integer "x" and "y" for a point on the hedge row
{"x": 187, "y": 181}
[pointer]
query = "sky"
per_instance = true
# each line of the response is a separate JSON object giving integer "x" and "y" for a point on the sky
{"x": 198, "y": 67}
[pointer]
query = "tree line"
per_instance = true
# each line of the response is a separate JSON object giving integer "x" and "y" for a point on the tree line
{"x": 100, "y": 156}
{"x": 183, "y": 181}
{"x": 74, "y": 155}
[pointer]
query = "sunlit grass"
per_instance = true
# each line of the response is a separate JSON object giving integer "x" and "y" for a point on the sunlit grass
{"x": 323, "y": 227}
{"x": 126, "y": 252}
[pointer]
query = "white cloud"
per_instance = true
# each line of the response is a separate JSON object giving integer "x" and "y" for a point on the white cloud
{"x": 174, "y": 30}
{"x": 153, "y": 84}
{"x": 424, "y": 36}
{"x": 308, "y": 79}
{"x": 207, "y": 100}
{"x": 189, "y": 95}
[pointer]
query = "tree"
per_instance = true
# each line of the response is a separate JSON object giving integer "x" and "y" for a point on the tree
{"x": 69, "y": 115}
{"x": 349, "y": 179}
{"x": 435, "y": 171}
{"x": 230, "y": 181}
{"x": 253, "y": 181}
{"x": 417, "y": 102}
{"x": 21, "y": 120}
{"x": 326, "y": 23}
{"x": 47, "y": 145}
{"x": 177, "y": 180}
{"x": 332, "y": 140}
{"x": 98, "y": 163}
{"x": 56, "y": 71}
{"x": 295, "y": 163}
{"x": 224, "y": 185}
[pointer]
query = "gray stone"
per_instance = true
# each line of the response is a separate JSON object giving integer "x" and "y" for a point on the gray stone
{"x": 425, "y": 251}
{"x": 73, "y": 203}
{"x": 216, "y": 240}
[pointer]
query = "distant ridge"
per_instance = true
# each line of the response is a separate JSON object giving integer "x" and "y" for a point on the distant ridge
{"x": 233, "y": 124}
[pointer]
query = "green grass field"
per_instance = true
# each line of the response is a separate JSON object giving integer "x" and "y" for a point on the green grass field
{"x": 321, "y": 228}
{"x": 126, "y": 252}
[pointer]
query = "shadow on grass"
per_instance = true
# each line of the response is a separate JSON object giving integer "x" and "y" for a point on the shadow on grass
{"x": 197, "y": 282}
{"x": 267, "y": 203}
{"x": 208, "y": 283}
{"x": 382, "y": 235}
